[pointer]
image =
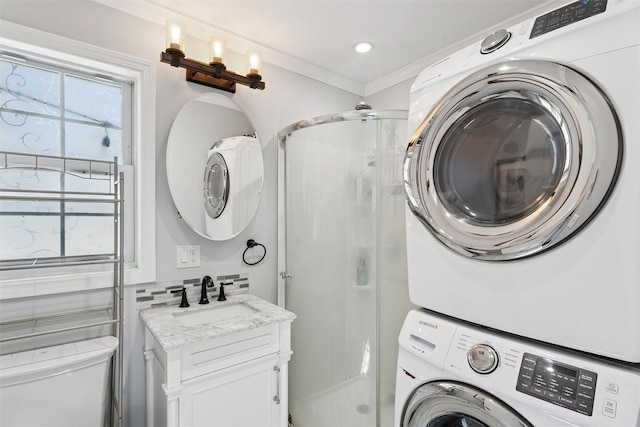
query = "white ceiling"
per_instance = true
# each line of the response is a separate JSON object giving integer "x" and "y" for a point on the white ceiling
{"x": 315, "y": 37}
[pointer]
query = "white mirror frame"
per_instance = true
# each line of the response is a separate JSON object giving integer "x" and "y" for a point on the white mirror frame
{"x": 202, "y": 122}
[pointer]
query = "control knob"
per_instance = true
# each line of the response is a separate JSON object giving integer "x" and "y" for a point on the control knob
{"x": 482, "y": 358}
{"x": 494, "y": 41}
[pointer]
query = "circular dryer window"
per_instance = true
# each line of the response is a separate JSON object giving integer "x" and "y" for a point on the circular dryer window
{"x": 216, "y": 185}
{"x": 501, "y": 161}
{"x": 449, "y": 403}
{"x": 513, "y": 160}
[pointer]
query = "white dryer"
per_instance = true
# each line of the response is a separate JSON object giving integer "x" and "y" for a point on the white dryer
{"x": 522, "y": 180}
{"x": 232, "y": 185}
{"x": 453, "y": 374}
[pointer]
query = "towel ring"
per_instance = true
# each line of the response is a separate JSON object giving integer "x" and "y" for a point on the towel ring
{"x": 252, "y": 244}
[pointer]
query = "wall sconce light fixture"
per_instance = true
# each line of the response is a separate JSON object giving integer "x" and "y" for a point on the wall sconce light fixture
{"x": 215, "y": 73}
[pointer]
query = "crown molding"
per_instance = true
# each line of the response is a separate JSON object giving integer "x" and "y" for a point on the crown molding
{"x": 408, "y": 72}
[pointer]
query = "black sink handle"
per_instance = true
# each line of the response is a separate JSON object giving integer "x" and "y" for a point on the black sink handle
{"x": 222, "y": 296}
{"x": 184, "y": 302}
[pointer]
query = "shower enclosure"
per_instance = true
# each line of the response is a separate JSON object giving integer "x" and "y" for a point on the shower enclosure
{"x": 343, "y": 265}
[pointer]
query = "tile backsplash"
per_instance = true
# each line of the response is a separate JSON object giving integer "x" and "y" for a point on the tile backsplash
{"x": 159, "y": 294}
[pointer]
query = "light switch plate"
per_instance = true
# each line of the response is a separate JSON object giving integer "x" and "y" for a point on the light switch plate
{"x": 188, "y": 256}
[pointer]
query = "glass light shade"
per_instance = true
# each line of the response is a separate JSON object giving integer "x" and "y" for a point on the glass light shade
{"x": 175, "y": 35}
{"x": 255, "y": 62}
{"x": 218, "y": 49}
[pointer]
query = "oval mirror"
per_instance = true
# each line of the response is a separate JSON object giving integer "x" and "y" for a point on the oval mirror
{"x": 214, "y": 166}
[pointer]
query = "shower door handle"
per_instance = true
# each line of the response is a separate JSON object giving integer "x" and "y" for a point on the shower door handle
{"x": 284, "y": 275}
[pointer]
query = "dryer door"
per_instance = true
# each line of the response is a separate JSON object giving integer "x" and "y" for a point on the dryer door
{"x": 216, "y": 185}
{"x": 513, "y": 160}
{"x": 453, "y": 404}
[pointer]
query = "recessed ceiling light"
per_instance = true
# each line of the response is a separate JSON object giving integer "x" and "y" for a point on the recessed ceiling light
{"x": 363, "y": 47}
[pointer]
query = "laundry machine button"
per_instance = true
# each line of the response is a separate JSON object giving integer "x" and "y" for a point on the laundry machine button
{"x": 482, "y": 358}
{"x": 612, "y": 388}
{"x": 609, "y": 408}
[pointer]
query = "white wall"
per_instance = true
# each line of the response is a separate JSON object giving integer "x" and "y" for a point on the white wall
{"x": 288, "y": 97}
{"x": 395, "y": 97}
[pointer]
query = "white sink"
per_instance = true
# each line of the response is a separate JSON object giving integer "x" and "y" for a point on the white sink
{"x": 214, "y": 314}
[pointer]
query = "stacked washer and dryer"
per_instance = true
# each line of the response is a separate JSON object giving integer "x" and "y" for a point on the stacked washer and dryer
{"x": 522, "y": 180}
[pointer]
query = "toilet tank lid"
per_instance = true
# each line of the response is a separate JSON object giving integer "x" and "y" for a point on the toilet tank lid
{"x": 55, "y": 357}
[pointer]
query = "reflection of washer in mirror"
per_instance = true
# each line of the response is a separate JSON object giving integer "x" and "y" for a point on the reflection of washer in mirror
{"x": 207, "y": 118}
{"x": 216, "y": 185}
{"x": 232, "y": 184}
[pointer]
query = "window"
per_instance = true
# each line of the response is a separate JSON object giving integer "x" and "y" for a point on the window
{"x": 47, "y": 110}
{"x": 63, "y": 98}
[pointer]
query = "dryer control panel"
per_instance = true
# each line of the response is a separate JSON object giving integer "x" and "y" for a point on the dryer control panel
{"x": 566, "y": 15}
{"x": 570, "y": 387}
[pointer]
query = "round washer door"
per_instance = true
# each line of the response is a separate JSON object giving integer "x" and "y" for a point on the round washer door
{"x": 513, "y": 160}
{"x": 453, "y": 404}
{"x": 216, "y": 185}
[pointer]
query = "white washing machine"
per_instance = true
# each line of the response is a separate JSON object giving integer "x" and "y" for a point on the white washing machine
{"x": 522, "y": 180}
{"x": 453, "y": 374}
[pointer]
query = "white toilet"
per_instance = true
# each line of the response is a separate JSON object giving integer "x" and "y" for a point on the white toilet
{"x": 65, "y": 385}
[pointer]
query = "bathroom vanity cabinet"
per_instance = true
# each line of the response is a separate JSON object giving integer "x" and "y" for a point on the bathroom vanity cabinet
{"x": 225, "y": 372}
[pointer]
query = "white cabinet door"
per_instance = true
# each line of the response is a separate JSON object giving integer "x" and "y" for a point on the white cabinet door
{"x": 241, "y": 395}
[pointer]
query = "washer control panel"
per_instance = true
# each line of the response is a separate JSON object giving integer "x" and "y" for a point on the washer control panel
{"x": 560, "y": 386}
{"x": 567, "y": 386}
{"x": 566, "y": 15}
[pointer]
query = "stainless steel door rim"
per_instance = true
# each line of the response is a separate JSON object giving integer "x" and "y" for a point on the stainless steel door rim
{"x": 539, "y": 140}
{"x": 453, "y": 403}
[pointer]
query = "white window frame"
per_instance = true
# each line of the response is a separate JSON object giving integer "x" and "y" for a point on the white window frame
{"x": 25, "y": 41}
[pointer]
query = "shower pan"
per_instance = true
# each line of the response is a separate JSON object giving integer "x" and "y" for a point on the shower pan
{"x": 342, "y": 264}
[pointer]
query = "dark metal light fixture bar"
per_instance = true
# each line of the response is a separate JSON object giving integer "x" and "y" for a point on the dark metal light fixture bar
{"x": 213, "y": 74}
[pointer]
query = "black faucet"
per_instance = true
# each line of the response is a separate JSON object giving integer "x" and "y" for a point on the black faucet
{"x": 222, "y": 296}
{"x": 207, "y": 282}
{"x": 184, "y": 302}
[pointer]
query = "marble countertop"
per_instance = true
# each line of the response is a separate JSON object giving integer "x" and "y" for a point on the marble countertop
{"x": 171, "y": 334}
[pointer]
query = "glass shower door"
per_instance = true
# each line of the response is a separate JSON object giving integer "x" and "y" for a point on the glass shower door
{"x": 330, "y": 181}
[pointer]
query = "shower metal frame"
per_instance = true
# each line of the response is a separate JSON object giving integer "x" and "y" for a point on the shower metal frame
{"x": 343, "y": 117}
